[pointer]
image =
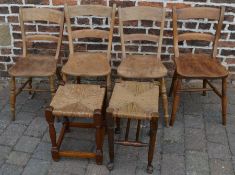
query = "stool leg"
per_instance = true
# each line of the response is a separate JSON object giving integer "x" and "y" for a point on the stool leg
{"x": 153, "y": 132}
{"x": 127, "y": 129}
{"x": 99, "y": 136}
{"x": 118, "y": 129}
{"x": 110, "y": 126}
{"x": 50, "y": 120}
{"x": 137, "y": 131}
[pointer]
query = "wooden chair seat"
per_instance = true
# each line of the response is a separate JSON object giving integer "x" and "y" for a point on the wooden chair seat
{"x": 87, "y": 64}
{"x": 77, "y": 100}
{"x": 138, "y": 100}
{"x": 199, "y": 66}
{"x": 139, "y": 66}
{"x": 34, "y": 66}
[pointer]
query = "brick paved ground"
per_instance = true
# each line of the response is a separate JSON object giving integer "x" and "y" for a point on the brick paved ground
{"x": 197, "y": 145}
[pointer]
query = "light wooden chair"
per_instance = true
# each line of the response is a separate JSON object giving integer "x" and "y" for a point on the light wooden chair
{"x": 143, "y": 66}
{"x": 89, "y": 64}
{"x": 35, "y": 65}
{"x": 198, "y": 66}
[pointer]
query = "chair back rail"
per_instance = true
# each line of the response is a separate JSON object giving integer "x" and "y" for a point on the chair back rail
{"x": 197, "y": 13}
{"x": 141, "y": 13}
{"x": 41, "y": 14}
{"x": 90, "y": 10}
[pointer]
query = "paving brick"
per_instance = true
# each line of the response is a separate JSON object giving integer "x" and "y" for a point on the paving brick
{"x": 216, "y": 133}
{"x": 197, "y": 163}
{"x": 37, "y": 127}
{"x": 194, "y": 121}
{"x": 195, "y": 140}
{"x": 33, "y": 105}
{"x": 43, "y": 151}
{"x": 35, "y": 165}
{"x": 172, "y": 164}
{"x": 12, "y": 134}
{"x": 218, "y": 151}
{"x": 219, "y": 167}
{"x": 18, "y": 158}
{"x": 27, "y": 144}
{"x": 96, "y": 169}
{"x": 8, "y": 169}
{"x": 24, "y": 118}
{"x": 4, "y": 152}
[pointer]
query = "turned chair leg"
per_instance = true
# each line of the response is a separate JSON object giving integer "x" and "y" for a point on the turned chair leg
{"x": 175, "y": 101}
{"x": 110, "y": 126}
{"x": 99, "y": 136}
{"x": 224, "y": 100}
{"x": 165, "y": 101}
{"x": 204, "y": 86}
{"x": 172, "y": 84}
{"x": 108, "y": 88}
{"x": 12, "y": 97}
{"x": 52, "y": 85}
{"x": 50, "y": 118}
{"x": 153, "y": 133}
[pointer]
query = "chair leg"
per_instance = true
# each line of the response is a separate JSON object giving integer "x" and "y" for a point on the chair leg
{"x": 224, "y": 100}
{"x": 66, "y": 122}
{"x": 30, "y": 85}
{"x": 127, "y": 129}
{"x": 50, "y": 118}
{"x": 204, "y": 86}
{"x": 175, "y": 101}
{"x": 110, "y": 126}
{"x": 108, "y": 88}
{"x": 172, "y": 84}
{"x": 64, "y": 78}
{"x": 99, "y": 135}
{"x": 153, "y": 133}
{"x": 12, "y": 97}
{"x": 52, "y": 85}
{"x": 165, "y": 101}
{"x": 137, "y": 135}
{"x": 78, "y": 80}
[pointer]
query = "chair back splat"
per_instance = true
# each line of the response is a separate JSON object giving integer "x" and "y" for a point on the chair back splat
{"x": 41, "y": 14}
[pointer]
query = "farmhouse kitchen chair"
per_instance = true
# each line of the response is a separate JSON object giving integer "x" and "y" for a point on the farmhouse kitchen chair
{"x": 35, "y": 65}
{"x": 198, "y": 66}
{"x": 89, "y": 64}
{"x": 82, "y": 100}
{"x": 143, "y": 66}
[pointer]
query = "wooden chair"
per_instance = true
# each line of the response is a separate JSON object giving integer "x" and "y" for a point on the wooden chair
{"x": 198, "y": 66}
{"x": 143, "y": 66}
{"x": 133, "y": 100}
{"x": 34, "y": 65}
{"x": 89, "y": 64}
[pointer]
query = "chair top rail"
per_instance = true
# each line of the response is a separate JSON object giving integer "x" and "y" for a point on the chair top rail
{"x": 42, "y": 14}
{"x": 196, "y": 36}
{"x": 141, "y": 13}
{"x": 198, "y": 12}
{"x": 89, "y": 10}
{"x": 90, "y": 33}
{"x": 41, "y": 37}
{"x": 141, "y": 37}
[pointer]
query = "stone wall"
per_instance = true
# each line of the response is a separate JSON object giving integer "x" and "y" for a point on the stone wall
{"x": 11, "y": 43}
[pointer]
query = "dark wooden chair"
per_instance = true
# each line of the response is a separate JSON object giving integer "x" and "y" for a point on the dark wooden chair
{"x": 35, "y": 65}
{"x": 89, "y": 64}
{"x": 148, "y": 67}
{"x": 198, "y": 66}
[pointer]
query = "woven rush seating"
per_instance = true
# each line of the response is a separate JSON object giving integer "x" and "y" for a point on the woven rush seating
{"x": 133, "y": 100}
{"x": 77, "y": 100}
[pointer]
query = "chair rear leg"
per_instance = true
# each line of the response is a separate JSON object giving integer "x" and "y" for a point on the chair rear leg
{"x": 165, "y": 101}
{"x": 12, "y": 97}
{"x": 175, "y": 101}
{"x": 224, "y": 100}
{"x": 52, "y": 85}
{"x": 204, "y": 86}
{"x": 172, "y": 84}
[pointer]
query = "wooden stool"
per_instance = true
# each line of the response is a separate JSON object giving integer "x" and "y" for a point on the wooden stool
{"x": 134, "y": 100}
{"x": 77, "y": 100}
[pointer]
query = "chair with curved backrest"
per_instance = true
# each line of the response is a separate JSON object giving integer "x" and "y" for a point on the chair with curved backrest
{"x": 198, "y": 66}
{"x": 36, "y": 65}
{"x": 89, "y": 64}
{"x": 147, "y": 67}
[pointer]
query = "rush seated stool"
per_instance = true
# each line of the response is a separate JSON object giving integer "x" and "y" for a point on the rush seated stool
{"x": 77, "y": 100}
{"x": 133, "y": 100}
